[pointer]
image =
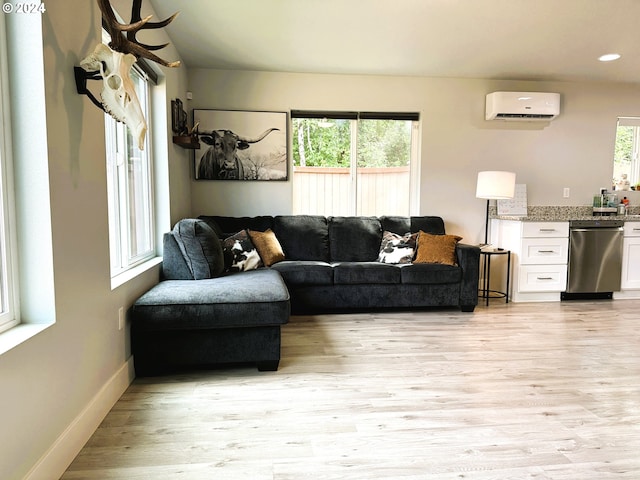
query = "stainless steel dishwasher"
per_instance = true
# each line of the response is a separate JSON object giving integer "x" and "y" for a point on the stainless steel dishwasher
{"x": 595, "y": 259}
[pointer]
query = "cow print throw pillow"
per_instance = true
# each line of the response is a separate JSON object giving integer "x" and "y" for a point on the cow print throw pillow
{"x": 240, "y": 254}
{"x": 397, "y": 248}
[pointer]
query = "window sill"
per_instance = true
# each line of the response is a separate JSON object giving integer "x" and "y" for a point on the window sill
{"x": 132, "y": 273}
{"x": 20, "y": 334}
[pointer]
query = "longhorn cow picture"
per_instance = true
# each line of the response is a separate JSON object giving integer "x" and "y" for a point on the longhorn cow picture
{"x": 240, "y": 145}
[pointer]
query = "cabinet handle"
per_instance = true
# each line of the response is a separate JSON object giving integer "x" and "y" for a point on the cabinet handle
{"x": 547, "y": 230}
{"x": 546, "y": 251}
{"x": 545, "y": 278}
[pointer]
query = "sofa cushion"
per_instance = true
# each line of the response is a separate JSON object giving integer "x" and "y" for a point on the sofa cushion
{"x": 437, "y": 248}
{"x": 305, "y": 272}
{"x": 231, "y": 225}
{"x": 254, "y": 298}
{"x": 396, "y": 224}
{"x": 200, "y": 248}
{"x": 349, "y": 273}
{"x": 268, "y": 246}
{"x": 354, "y": 239}
{"x": 429, "y": 224}
{"x": 430, "y": 273}
{"x": 397, "y": 248}
{"x": 240, "y": 253}
{"x": 303, "y": 237}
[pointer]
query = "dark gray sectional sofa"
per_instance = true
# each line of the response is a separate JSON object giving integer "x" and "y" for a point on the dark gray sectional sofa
{"x": 331, "y": 263}
{"x": 199, "y": 315}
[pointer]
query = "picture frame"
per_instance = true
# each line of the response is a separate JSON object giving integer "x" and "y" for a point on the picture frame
{"x": 241, "y": 145}
{"x": 178, "y": 118}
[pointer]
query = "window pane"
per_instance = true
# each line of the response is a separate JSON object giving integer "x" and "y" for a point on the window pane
{"x": 384, "y": 157}
{"x": 321, "y": 159}
{"x": 321, "y": 142}
{"x": 131, "y": 226}
{"x": 138, "y": 199}
{"x": 8, "y": 310}
{"x": 623, "y": 153}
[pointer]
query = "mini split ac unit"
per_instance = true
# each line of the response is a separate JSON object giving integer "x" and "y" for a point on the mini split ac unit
{"x": 522, "y": 106}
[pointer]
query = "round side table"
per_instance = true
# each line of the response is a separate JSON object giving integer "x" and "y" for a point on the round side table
{"x": 485, "y": 292}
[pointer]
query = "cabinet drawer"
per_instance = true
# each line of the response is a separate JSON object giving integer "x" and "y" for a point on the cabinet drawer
{"x": 542, "y": 278}
{"x": 544, "y": 251}
{"x": 632, "y": 229}
{"x": 545, "y": 229}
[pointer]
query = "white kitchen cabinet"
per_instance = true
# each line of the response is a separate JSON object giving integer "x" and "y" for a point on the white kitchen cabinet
{"x": 540, "y": 253}
{"x": 631, "y": 259}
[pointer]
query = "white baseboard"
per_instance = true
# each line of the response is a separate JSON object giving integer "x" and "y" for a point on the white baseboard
{"x": 57, "y": 459}
{"x": 626, "y": 295}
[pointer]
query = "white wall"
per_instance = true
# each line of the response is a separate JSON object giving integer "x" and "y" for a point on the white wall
{"x": 574, "y": 151}
{"x": 56, "y": 385}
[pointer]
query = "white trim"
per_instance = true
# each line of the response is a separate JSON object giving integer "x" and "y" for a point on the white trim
{"x": 9, "y": 307}
{"x": 133, "y": 272}
{"x": 57, "y": 459}
{"x": 626, "y": 295}
{"x": 13, "y": 337}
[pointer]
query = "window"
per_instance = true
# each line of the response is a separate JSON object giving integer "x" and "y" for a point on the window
{"x": 129, "y": 186}
{"x": 350, "y": 163}
{"x": 8, "y": 311}
{"x": 626, "y": 161}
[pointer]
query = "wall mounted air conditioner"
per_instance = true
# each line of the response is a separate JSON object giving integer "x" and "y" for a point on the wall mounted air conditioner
{"x": 522, "y": 106}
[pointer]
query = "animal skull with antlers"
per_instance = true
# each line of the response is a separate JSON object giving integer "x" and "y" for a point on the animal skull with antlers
{"x": 118, "y": 96}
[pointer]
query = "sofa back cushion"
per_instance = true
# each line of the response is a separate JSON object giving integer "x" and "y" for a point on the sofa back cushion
{"x": 200, "y": 248}
{"x": 227, "y": 226}
{"x": 354, "y": 239}
{"x": 428, "y": 224}
{"x": 396, "y": 224}
{"x": 303, "y": 237}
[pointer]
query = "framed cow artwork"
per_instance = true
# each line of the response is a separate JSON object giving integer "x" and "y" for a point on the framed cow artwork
{"x": 241, "y": 145}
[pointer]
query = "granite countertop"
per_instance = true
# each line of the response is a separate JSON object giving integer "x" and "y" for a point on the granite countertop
{"x": 564, "y": 214}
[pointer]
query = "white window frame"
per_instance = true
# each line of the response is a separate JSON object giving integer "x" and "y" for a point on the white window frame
{"x": 633, "y": 174}
{"x": 9, "y": 306}
{"x": 120, "y": 193}
{"x": 414, "y": 163}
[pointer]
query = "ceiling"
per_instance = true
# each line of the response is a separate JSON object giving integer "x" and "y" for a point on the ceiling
{"x": 496, "y": 39}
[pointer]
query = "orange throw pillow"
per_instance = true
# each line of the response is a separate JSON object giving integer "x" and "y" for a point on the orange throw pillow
{"x": 437, "y": 248}
{"x": 268, "y": 246}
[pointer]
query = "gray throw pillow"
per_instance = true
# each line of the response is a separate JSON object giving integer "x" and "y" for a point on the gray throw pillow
{"x": 200, "y": 247}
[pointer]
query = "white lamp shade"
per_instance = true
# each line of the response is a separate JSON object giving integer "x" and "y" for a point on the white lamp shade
{"x": 496, "y": 185}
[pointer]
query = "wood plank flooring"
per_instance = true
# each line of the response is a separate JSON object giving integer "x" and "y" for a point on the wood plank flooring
{"x": 517, "y": 391}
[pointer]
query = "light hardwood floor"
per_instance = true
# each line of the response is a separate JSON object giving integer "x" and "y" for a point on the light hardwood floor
{"x": 517, "y": 391}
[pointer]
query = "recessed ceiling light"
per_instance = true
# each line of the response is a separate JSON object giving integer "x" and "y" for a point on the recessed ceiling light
{"x": 609, "y": 57}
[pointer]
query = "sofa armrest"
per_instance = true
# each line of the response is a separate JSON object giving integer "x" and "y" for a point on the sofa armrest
{"x": 174, "y": 266}
{"x": 468, "y": 257}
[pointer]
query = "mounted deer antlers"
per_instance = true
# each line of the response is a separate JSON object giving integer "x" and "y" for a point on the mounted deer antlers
{"x": 118, "y": 97}
{"x": 129, "y": 43}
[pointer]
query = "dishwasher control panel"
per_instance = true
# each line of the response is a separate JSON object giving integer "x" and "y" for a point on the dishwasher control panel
{"x": 596, "y": 223}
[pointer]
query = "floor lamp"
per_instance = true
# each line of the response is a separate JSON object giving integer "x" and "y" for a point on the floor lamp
{"x": 494, "y": 185}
